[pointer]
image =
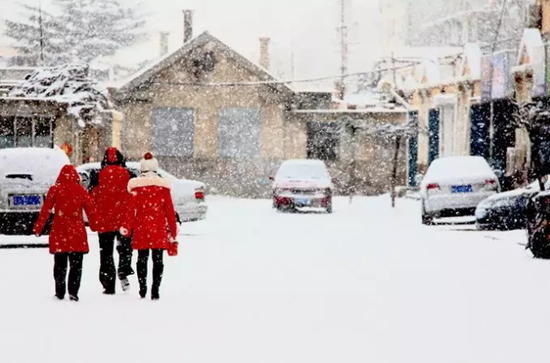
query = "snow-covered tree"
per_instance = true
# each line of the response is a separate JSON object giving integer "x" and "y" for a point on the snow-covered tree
{"x": 77, "y": 30}
{"x": 27, "y": 35}
{"x": 100, "y": 27}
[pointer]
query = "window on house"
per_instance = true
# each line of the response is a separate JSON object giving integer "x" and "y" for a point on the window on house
{"x": 7, "y": 139}
{"x": 239, "y": 133}
{"x": 23, "y": 131}
{"x": 43, "y": 135}
{"x": 323, "y": 141}
{"x": 173, "y": 131}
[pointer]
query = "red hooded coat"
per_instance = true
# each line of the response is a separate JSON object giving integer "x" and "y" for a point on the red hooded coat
{"x": 151, "y": 213}
{"x": 67, "y": 199}
{"x": 111, "y": 198}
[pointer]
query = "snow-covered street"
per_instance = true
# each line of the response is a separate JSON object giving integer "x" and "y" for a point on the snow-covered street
{"x": 366, "y": 284}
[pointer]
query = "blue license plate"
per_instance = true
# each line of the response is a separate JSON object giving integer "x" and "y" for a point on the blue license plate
{"x": 462, "y": 189}
{"x": 27, "y": 200}
{"x": 303, "y": 202}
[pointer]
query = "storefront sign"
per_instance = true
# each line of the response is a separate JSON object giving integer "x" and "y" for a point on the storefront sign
{"x": 496, "y": 81}
{"x": 539, "y": 71}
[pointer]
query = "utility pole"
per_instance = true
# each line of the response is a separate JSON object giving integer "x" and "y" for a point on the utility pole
{"x": 343, "y": 28}
{"x": 41, "y": 31}
{"x": 491, "y": 70}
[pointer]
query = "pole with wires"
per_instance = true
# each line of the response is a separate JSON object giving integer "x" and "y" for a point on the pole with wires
{"x": 491, "y": 71}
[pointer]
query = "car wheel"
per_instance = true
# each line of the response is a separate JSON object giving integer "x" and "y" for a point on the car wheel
{"x": 329, "y": 206}
{"x": 427, "y": 219}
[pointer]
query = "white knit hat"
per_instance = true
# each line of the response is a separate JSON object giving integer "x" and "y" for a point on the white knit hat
{"x": 149, "y": 163}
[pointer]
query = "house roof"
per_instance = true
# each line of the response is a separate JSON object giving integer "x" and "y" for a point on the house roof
{"x": 141, "y": 77}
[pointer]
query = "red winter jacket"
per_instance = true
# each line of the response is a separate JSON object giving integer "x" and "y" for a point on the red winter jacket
{"x": 67, "y": 199}
{"x": 111, "y": 198}
{"x": 151, "y": 213}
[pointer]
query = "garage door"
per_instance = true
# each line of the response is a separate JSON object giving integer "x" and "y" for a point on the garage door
{"x": 239, "y": 133}
{"x": 173, "y": 131}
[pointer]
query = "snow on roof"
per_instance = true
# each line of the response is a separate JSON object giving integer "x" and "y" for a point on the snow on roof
{"x": 472, "y": 59}
{"x": 65, "y": 84}
{"x": 169, "y": 59}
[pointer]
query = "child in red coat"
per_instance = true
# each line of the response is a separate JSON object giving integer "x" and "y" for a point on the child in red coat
{"x": 68, "y": 238}
{"x": 153, "y": 220}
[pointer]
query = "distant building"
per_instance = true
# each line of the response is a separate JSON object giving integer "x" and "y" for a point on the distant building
{"x": 208, "y": 113}
{"x": 436, "y": 23}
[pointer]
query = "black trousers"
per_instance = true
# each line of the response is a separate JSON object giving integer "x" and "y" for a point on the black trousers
{"x": 158, "y": 269}
{"x": 107, "y": 270}
{"x": 61, "y": 260}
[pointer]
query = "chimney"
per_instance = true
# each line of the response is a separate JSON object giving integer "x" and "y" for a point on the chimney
{"x": 164, "y": 43}
{"x": 264, "y": 52}
{"x": 187, "y": 25}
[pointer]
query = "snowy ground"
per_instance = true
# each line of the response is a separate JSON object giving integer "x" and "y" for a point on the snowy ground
{"x": 366, "y": 284}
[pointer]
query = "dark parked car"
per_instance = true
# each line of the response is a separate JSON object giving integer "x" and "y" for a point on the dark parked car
{"x": 506, "y": 211}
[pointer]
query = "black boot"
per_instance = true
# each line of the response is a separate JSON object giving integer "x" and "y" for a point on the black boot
{"x": 73, "y": 298}
{"x": 155, "y": 294}
{"x": 142, "y": 291}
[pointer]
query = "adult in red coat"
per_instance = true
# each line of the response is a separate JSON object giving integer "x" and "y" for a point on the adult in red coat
{"x": 68, "y": 239}
{"x": 153, "y": 220}
{"x": 111, "y": 198}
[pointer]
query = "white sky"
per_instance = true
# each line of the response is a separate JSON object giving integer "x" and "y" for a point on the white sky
{"x": 307, "y": 26}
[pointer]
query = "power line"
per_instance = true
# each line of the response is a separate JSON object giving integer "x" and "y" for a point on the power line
{"x": 258, "y": 83}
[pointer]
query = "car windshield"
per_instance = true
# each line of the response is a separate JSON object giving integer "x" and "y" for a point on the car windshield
{"x": 302, "y": 171}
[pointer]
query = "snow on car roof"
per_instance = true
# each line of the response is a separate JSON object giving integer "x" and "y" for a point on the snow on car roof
{"x": 43, "y": 163}
{"x": 458, "y": 167}
{"x": 303, "y": 162}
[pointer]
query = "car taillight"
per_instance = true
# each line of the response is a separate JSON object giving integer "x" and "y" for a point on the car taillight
{"x": 432, "y": 186}
{"x": 199, "y": 194}
{"x": 491, "y": 184}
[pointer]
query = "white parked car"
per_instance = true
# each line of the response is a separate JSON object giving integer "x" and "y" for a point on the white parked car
{"x": 454, "y": 186}
{"x": 26, "y": 175}
{"x": 188, "y": 195}
{"x": 302, "y": 184}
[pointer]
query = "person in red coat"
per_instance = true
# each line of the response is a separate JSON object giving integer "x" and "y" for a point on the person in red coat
{"x": 111, "y": 198}
{"x": 153, "y": 220}
{"x": 68, "y": 240}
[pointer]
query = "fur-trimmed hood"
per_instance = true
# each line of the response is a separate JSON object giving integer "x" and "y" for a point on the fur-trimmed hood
{"x": 148, "y": 180}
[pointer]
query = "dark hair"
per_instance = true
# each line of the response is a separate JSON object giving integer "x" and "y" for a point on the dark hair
{"x": 120, "y": 160}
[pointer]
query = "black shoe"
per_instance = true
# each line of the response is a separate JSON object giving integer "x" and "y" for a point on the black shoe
{"x": 73, "y": 298}
{"x": 155, "y": 295}
{"x": 108, "y": 292}
{"x": 142, "y": 292}
{"x": 60, "y": 297}
{"x": 125, "y": 284}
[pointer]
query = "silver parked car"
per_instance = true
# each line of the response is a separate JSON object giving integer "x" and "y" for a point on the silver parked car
{"x": 26, "y": 174}
{"x": 454, "y": 186}
{"x": 188, "y": 195}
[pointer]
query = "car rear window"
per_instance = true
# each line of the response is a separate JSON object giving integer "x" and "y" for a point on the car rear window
{"x": 302, "y": 171}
